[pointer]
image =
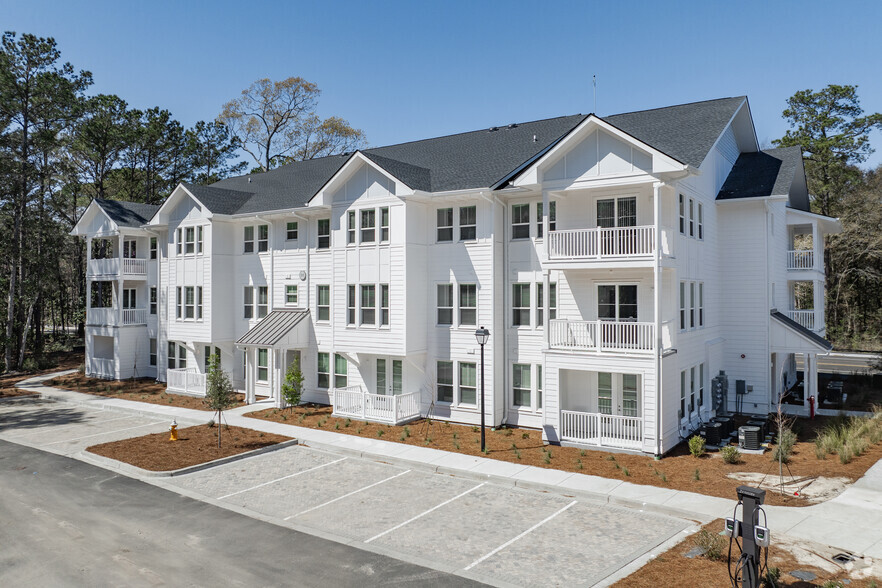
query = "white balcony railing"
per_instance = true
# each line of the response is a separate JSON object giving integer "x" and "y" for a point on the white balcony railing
{"x": 602, "y": 336}
{"x": 110, "y": 316}
{"x": 187, "y": 381}
{"x": 134, "y": 316}
{"x": 801, "y": 259}
{"x": 805, "y": 318}
{"x": 599, "y": 243}
{"x": 110, "y": 267}
{"x": 603, "y": 430}
{"x": 101, "y": 367}
{"x": 353, "y": 402}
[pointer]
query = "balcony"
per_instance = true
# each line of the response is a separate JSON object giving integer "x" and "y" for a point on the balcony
{"x": 353, "y": 402}
{"x": 602, "y": 336}
{"x": 110, "y": 317}
{"x": 805, "y": 318}
{"x": 110, "y": 267}
{"x": 599, "y": 244}
{"x": 801, "y": 259}
{"x": 602, "y": 430}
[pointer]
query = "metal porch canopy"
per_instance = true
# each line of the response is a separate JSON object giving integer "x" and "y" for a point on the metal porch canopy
{"x": 280, "y": 329}
{"x": 789, "y": 336}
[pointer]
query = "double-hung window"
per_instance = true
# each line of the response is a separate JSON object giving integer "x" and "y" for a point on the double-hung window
{"x": 520, "y": 221}
{"x": 323, "y": 370}
{"x": 248, "y": 302}
{"x": 350, "y": 227}
{"x": 153, "y": 352}
{"x": 445, "y": 224}
{"x": 701, "y": 304}
{"x": 368, "y": 304}
{"x": 384, "y": 305}
{"x": 262, "y": 238}
{"x": 178, "y": 303}
{"x": 445, "y": 304}
{"x": 682, "y": 306}
{"x": 701, "y": 221}
{"x": 520, "y": 305}
{"x": 682, "y": 214}
{"x": 323, "y": 302}
{"x": 199, "y": 302}
{"x": 468, "y": 383}
{"x": 153, "y": 302}
{"x": 262, "y": 301}
{"x": 384, "y": 224}
{"x": 692, "y": 305}
{"x": 248, "y": 239}
{"x": 199, "y": 239}
{"x": 291, "y": 294}
{"x": 341, "y": 371}
{"x": 263, "y": 365}
{"x": 172, "y": 359}
{"x": 368, "y": 225}
{"x": 691, "y": 217}
{"x": 190, "y": 240}
{"x": 520, "y": 384}
{"x": 468, "y": 304}
{"x": 445, "y": 381}
{"x": 189, "y": 302}
{"x": 152, "y": 247}
{"x": 701, "y": 385}
{"x": 540, "y": 303}
{"x": 182, "y": 357}
{"x": 291, "y": 231}
{"x": 468, "y": 223}
{"x": 179, "y": 241}
{"x": 682, "y": 394}
{"x": 691, "y": 390}
{"x": 324, "y": 233}
{"x": 350, "y": 304}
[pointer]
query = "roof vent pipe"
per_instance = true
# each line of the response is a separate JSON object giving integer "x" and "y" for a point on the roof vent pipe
{"x": 512, "y": 126}
{"x": 534, "y": 138}
{"x": 494, "y": 129}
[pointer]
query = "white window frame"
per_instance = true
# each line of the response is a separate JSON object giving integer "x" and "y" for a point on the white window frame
{"x": 446, "y": 308}
{"x": 460, "y": 386}
{"x": 462, "y": 308}
{"x": 189, "y": 240}
{"x": 153, "y": 352}
{"x": 701, "y": 222}
{"x": 179, "y": 314}
{"x": 701, "y": 304}
{"x": 439, "y": 385}
{"x": 179, "y": 241}
{"x": 323, "y": 239}
{"x": 199, "y": 240}
{"x": 519, "y": 226}
{"x": 540, "y": 302}
{"x": 351, "y": 305}
{"x": 319, "y": 288}
{"x": 472, "y": 226}
{"x": 248, "y": 240}
{"x": 154, "y": 248}
{"x": 291, "y": 232}
{"x": 291, "y": 294}
{"x": 683, "y": 322}
{"x": 447, "y": 227}
{"x": 682, "y": 214}
{"x": 367, "y": 219}
{"x": 385, "y": 220}
{"x": 262, "y": 372}
{"x": 351, "y": 229}
{"x": 171, "y": 356}
{"x": 692, "y": 301}
{"x": 528, "y": 388}
{"x": 248, "y": 302}
{"x": 692, "y": 217}
{"x": 341, "y": 377}
{"x": 154, "y": 299}
{"x": 552, "y": 218}
{"x": 364, "y": 310}
{"x": 189, "y": 303}
{"x": 262, "y": 301}
{"x": 199, "y": 303}
{"x": 384, "y": 305}
{"x": 262, "y": 238}
{"x": 319, "y": 373}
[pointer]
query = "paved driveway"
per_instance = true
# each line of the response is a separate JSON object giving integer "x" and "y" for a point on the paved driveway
{"x": 493, "y": 533}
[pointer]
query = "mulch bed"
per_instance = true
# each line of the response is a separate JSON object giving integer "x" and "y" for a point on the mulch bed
{"x": 63, "y": 360}
{"x": 141, "y": 390}
{"x": 677, "y": 470}
{"x": 674, "y": 568}
{"x": 195, "y": 445}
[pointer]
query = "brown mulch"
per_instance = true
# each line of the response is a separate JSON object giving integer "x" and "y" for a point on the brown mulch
{"x": 676, "y": 470}
{"x": 140, "y": 390}
{"x": 62, "y": 360}
{"x": 195, "y": 445}
{"x": 701, "y": 571}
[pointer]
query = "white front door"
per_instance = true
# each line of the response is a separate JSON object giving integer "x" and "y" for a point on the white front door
{"x": 390, "y": 376}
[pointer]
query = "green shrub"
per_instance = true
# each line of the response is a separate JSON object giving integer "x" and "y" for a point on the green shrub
{"x": 697, "y": 475}
{"x": 696, "y": 446}
{"x": 730, "y": 454}
{"x": 771, "y": 579}
{"x": 711, "y": 544}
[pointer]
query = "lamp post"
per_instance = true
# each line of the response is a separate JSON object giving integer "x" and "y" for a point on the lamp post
{"x": 482, "y": 335}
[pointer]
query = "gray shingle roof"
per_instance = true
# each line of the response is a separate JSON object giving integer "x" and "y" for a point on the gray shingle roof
{"x": 476, "y": 159}
{"x": 127, "y": 214}
{"x": 765, "y": 173}
{"x": 273, "y": 327}
{"x": 808, "y": 334}
{"x": 685, "y": 132}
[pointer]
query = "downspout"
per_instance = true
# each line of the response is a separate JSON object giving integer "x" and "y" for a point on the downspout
{"x": 493, "y": 198}
{"x": 766, "y": 309}
{"x": 657, "y": 304}
{"x": 158, "y": 305}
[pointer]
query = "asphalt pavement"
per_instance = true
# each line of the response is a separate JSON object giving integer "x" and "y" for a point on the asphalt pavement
{"x": 64, "y": 522}
{"x": 843, "y": 363}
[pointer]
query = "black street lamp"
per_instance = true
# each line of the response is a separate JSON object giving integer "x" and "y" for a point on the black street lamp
{"x": 482, "y": 335}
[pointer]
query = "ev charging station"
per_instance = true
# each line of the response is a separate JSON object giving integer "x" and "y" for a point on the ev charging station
{"x": 753, "y": 538}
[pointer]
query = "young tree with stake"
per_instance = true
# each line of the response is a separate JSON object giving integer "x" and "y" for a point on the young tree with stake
{"x": 219, "y": 395}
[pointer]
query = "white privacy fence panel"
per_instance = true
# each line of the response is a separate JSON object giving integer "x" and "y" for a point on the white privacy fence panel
{"x": 603, "y": 430}
{"x": 353, "y": 402}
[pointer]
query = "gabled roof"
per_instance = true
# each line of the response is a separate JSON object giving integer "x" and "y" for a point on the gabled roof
{"x": 802, "y": 331}
{"x": 127, "y": 214}
{"x": 766, "y": 173}
{"x": 685, "y": 132}
{"x": 475, "y": 159}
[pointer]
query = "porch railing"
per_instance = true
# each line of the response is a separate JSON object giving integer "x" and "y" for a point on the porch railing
{"x": 801, "y": 259}
{"x": 185, "y": 381}
{"x": 598, "y": 243}
{"x": 603, "y": 430}
{"x": 805, "y": 318}
{"x": 353, "y": 402}
{"x": 134, "y": 316}
{"x": 134, "y": 266}
{"x": 602, "y": 336}
{"x": 110, "y": 266}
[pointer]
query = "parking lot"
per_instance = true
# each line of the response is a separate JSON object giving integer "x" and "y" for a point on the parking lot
{"x": 497, "y": 534}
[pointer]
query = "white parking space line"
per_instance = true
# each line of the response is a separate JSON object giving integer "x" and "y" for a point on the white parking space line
{"x": 525, "y": 533}
{"x": 104, "y": 433}
{"x": 282, "y": 478}
{"x": 347, "y": 495}
{"x": 434, "y": 508}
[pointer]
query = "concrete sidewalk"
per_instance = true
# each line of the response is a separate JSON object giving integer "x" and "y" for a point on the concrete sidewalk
{"x": 851, "y": 522}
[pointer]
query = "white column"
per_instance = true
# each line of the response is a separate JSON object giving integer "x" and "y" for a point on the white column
{"x": 819, "y": 306}
{"x": 544, "y": 220}
{"x": 809, "y": 379}
{"x": 119, "y": 255}
{"x": 817, "y": 247}
{"x": 546, "y": 303}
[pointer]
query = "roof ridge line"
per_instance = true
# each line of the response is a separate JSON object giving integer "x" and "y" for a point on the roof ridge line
{"x": 672, "y": 106}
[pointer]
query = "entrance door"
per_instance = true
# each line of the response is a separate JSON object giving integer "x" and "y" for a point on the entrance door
{"x": 390, "y": 376}
{"x": 129, "y": 300}
{"x": 617, "y": 304}
{"x": 618, "y": 394}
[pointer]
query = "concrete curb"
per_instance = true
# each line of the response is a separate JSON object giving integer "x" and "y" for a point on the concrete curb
{"x": 127, "y": 468}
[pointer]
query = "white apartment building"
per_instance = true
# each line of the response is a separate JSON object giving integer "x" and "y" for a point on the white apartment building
{"x": 620, "y": 263}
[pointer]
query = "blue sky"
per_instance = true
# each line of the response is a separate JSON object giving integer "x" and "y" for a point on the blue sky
{"x": 410, "y": 70}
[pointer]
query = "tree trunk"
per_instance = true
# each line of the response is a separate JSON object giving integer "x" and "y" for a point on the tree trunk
{"x": 24, "y": 333}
